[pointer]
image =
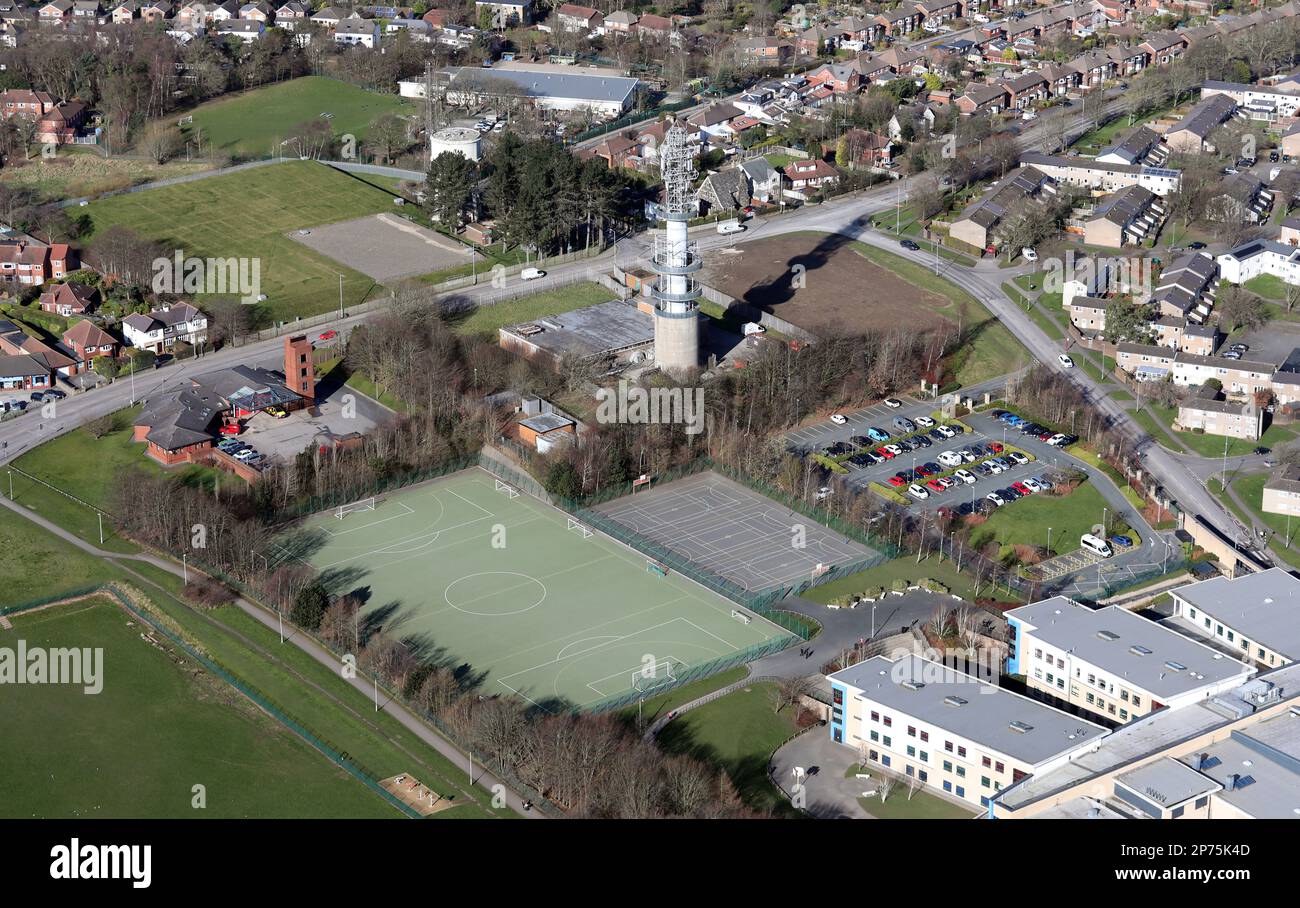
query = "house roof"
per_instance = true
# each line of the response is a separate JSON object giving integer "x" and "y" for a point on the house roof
{"x": 86, "y": 333}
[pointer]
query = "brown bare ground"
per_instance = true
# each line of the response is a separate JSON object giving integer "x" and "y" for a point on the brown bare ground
{"x": 843, "y": 291}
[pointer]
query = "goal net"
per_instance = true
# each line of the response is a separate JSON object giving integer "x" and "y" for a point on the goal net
{"x": 663, "y": 674}
{"x": 579, "y": 528}
{"x": 818, "y": 571}
{"x": 510, "y": 491}
{"x": 740, "y": 616}
{"x": 365, "y": 504}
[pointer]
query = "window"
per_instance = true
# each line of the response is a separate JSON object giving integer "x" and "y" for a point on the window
{"x": 1060, "y": 683}
{"x": 1051, "y": 679}
{"x": 911, "y": 751}
{"x": 1137, "y": 701}
{"x": 925, "y": 736}
{"x": 875, "y": 716}
{"x": 985, "y": 782}
{"x": 925, "y": 756}
{"x": 889, "y": 722}
{"x": 911, "y": 731}
{"x": 947, "y": 765}
{"x": 1191, "y": 612}
{"x": 1091, "y": 698}
{"x": 961, "y": 792}
{"x": 1038, "y": 654}
{"x": 1201, "y": 802}
{"x": 888, "y": 742}
{"x": 884, "y": 758}
{"x": 947, "y": 745}
{"x": 961, "y": 772}
{"x": 1176, "y": 812}
{"x": 911, "y": 770}
{"x": 837, "y": 697}
{"x": 875, "y": 736}
{"x": 1123, "y": 714}
{"x": 922, "y": 775}
{"x": 947, "y": 786}
{"x": 961, "y": 751}
{"x": 998, "y": 767}
{"x": 1060, "y": 663}
{"x": 986, "y": 762}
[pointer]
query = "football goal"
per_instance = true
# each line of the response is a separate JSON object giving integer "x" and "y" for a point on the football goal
{"x": 579, "y": 528}
{"x": 664, "y": 674}
{"x": 508, "y": 490}
{"x": 656, "y": 567}
{"x": 740, "y": 616}
{"x": 365, "y": 504}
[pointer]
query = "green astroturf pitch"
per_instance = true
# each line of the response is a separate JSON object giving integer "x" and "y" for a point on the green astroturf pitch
{"x": 501, "y": 587}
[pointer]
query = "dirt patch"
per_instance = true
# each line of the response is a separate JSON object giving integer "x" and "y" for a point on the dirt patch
{"x": 842, "y": 290}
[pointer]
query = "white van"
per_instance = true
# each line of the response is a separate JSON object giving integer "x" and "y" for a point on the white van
{"x": 1096, "y": 545}
{"x": 530, "y": 274}
{"x": 732, "y": 226}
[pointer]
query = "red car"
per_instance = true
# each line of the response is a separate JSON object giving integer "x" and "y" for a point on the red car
{"x": 329, "y": 335}
{"x": 995, "y": 447}
{"x": 935, "y": 485}
{"x": 926, "y": 470}
{"x": 1022, "y": 488}
{"x": 897, "y": 481}
{"x": 887, "y": 454}
{"x": 231, "y": 428}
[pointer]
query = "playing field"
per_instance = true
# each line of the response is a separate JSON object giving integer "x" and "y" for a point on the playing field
{"x": 160, "y": 726}
{"x": 500, "y": 587}
{"x": 250, "y": 214}
{"x": 253, "y": 124}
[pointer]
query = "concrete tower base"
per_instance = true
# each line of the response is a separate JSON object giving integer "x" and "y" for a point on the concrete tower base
{"x": 677, "y": 341}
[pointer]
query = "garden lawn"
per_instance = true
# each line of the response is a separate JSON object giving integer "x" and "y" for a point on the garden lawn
{"x": 739, "y": 733}
{"x": 90, "y": 469}
{"x": 920, "y": 806}
{"x": 883, "y": 576}
{"x": 485, "y": 320}
{"x": 250, "y": 214}
{"x": 1212, "y": 445}
{"x": 1025, "y": 522}
{"x": 253, "y": 124}
{"x": 1250, "y": 489}
{"x": 156, "y": 729}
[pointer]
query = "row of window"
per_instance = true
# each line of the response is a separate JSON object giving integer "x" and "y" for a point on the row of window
{"x": 924, "y": 755}
{"x": 1228, "y": 634}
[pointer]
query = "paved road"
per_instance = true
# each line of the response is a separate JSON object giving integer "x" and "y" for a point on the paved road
{"x": 481, "y": 777}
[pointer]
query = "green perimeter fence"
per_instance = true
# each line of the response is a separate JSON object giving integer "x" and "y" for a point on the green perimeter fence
{"x": 336, "y": 755}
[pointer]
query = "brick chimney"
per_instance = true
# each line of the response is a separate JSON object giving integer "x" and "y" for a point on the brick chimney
{"x": 299, "y": 370}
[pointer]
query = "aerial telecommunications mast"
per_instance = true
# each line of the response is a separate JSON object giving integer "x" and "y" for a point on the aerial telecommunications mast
{"x": 676, "y": 292}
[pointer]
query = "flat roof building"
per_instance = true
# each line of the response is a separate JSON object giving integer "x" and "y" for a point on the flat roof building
{"x": 616, "y": 331}
{"x": 957, "y": 734}
{"x": 1256, "y": 615}
{"x": 607, "y": 95}
{"x": 1111, "y": 662}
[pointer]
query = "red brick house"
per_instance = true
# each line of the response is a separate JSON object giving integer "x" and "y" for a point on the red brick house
{"x": 62, "y": 124}
{"x": 24, "y": 102}
{"x": 1025, "y": 91}
{"x": 34, "y": 263}
{"x": 901, "y": 21}
{"x": 87, "y": 342}
{"x": 839, "y": 78}
{"x": 865, "y": 149}
{"x": 70, "y": 299}
{"x": 979, "y": 97}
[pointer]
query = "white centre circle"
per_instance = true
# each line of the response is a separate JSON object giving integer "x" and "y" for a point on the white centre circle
{"x": 517, "y": 587}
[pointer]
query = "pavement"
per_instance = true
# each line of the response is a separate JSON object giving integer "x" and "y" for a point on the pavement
{"x": 826, "y": 795}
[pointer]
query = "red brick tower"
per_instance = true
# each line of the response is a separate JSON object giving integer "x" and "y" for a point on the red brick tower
{"x": 299, "y": 370}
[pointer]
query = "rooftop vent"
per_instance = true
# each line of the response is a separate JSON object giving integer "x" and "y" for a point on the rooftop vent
{"x": 1138, "y": 650}
{"x": 1175, "y": 666}
{"x": 1021, "y": 727}
{"x": 913, "y": 685}
{"x": 954, "y": 701}
{"x": 1107, "y": 635}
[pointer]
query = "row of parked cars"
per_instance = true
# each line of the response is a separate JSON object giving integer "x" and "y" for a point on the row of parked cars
{"x": 878, "y": 445}
{"x": 982, "y": 460}
{"x": 242, "y": 451}
{"x": 1034, "y": 430}
{"x": 39, "y": 397}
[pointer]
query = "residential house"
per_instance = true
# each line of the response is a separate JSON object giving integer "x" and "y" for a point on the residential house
{"x": 765, "y": 51}
{"x": 977, "y": 225}
{"x": 1191, "y": 134}
{"x": 155, "y": 11}
{"x": 810, "y": 174}
{"x": 840, "y": 78}
{"x": 355, "y": 31}
{"x": 87, "y": 342}
{"x": 1164, "y": 47}
{"x": 23, "y": 102}
{"x": 244, "y": 29}
{"x": 864, "y": 149}
{"x": 723, "y": 192}
{"x": 1281, "y": 491}
{"x": 1026, "y": 91}
{"x": 1242, "y": 198}
{"x": 621, "y": 22}
{"x": 900, "y": 21}
{"x": 62, "y": 125}
{"x": 980, "y": 97}
{"x": 126, "y": 13}
{"x": 1231, "y": 419}
{"x": 1095, "y": 176}
{"x": 1123, "y": 218}
{"x": 574, "y": 18}
{"x": 70, "y": 299}
{"x": 56, "y": 12}
{"x": 764, "y": 180}
{"x": 504, "y": 13}
{"x": 161, "y": 329}
{"x": 32, "y": 263}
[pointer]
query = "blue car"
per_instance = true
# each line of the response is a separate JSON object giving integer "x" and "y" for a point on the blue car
{"x": 879, "y": 435}
{"x": 1121, "y": 542}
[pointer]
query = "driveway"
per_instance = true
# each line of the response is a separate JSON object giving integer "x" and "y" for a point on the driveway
{"x": 827, "y": 795}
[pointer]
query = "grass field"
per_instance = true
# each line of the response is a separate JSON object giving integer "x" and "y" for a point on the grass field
{"x": 485, "y": 320}
{"x": 253, "y": 124}
{"x": 499, "y": 587}
{"x": 739, "y": 733}
{"x": 37, "y": 564}
{"x": 920, "y": 806}
{"x": 91, "y": 469}
{"x": 1026, "y": 522}
{"x": 884, "y": 575}
{"x": 74, "y": 174}
{"x": 1250, "y": 489}
{"x": 156, "y": 729}
{"x": 1208, "y": 445}
{"x": 249, "y": 214}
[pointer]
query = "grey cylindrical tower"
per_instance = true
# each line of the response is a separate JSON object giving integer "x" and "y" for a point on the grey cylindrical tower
{"x": 676, "y": 292}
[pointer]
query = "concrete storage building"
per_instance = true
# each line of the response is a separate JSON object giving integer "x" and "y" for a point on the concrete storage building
{"x": 615, "y": 331}
{"x": 458, "y": 140}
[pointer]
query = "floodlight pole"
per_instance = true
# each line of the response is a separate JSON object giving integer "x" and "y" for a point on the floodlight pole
{"x": 98, "y": 514}
{"x": 279, "y": 614}
{"x": 185, "y": 567}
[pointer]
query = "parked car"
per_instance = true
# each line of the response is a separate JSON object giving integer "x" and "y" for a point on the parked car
{"x": 55, "y": 394}
{"x": 877, "y": 435}
{"x": 995, "y": 447}
{"x": 946, "y": 431}
{"x": 925, "y": 422}
{"x": 1017, "y": 458}
{"x": 1030, "y": 255}
{"x": 897, "y": 480}
{"x": 838, "y": 419}
{"x": 921, "y": 441}
{"x": 934, "y": 485}
{"x": 917, "y": 492}
{"x": 995, "y": 466}
{"x": 967, "y": 477}
{"x": 903, "y": 424}
{"x": 1065, "y": 361}
{"x": 950, "y": 459}
{"x": 995, "y": 498}
{"x": 531, "y": 274}
{"x": 892, "y": 403}
{"x": 1044, "y": 485}
{"x": 909, "y": 245}
{"x": 38, "y": 396}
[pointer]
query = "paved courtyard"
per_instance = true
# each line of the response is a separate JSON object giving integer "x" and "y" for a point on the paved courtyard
{"x": 385, "y": 247}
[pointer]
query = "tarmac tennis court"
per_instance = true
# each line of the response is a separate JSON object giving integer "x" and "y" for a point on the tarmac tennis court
{"x": 502, "y": 586}
{"x": 733, "y": 531}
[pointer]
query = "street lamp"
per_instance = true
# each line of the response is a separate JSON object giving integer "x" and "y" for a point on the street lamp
{"x": 873, "y": 621}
